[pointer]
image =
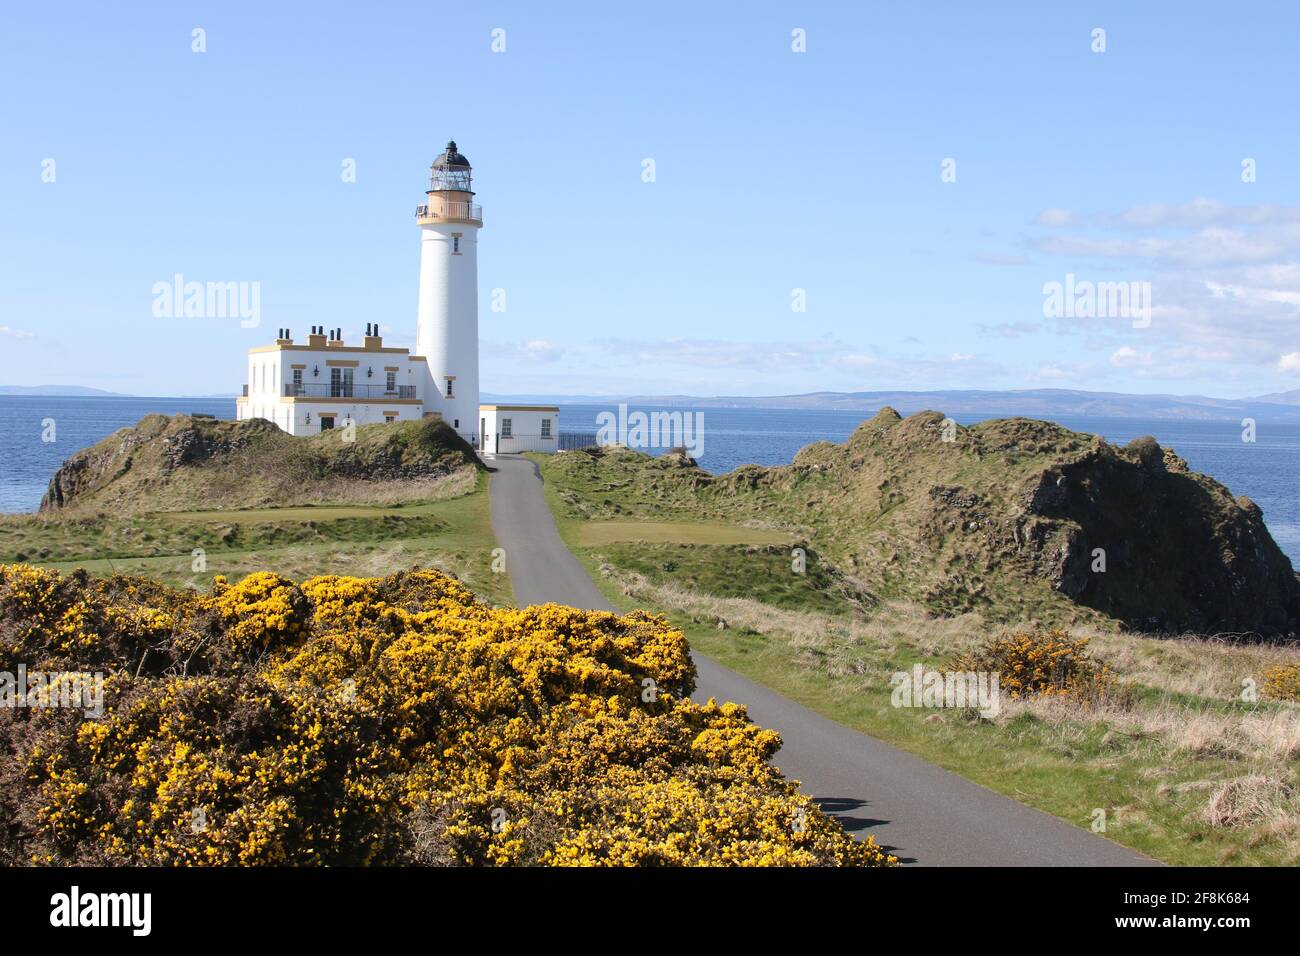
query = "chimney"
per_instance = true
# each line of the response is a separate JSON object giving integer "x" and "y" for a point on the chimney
{"x": 373, "y": 341}
{"x": 336, "y": 338}
{"x": 317, "y": 338}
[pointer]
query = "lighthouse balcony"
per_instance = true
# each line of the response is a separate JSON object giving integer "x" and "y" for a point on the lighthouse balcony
{"x": 451, "y": 211}
{"x": 362, "y": 393}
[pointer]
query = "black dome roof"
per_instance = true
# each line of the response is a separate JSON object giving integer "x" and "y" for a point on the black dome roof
{"x": 451, "y": 157}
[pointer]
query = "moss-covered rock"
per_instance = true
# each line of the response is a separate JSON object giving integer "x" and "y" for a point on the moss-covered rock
{"x": 184, "y": 462}
{"x": 1016, "y": 518}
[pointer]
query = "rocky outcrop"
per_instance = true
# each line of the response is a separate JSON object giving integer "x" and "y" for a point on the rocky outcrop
{"x": 187, "y": 462}
{"x": 1136, "y": 535}
{"x": 1013, "y": 518}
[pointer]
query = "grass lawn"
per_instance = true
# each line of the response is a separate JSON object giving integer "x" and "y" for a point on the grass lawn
{"x": 451, "y": 534}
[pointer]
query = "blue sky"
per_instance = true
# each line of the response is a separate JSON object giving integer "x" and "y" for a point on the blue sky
{"x": 774, "y": 171}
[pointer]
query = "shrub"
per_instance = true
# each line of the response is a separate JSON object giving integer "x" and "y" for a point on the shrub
{"x": 1041, "y": 663}
{"x": 350, "y": 721}
{"x": 1282, "y": 682}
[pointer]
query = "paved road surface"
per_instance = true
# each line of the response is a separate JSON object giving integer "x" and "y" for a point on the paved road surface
{"x": 924, "y": 814}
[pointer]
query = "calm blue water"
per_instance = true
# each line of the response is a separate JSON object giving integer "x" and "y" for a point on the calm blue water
{"x": 27, "y": 462}
{"x": 1265, "y": 471}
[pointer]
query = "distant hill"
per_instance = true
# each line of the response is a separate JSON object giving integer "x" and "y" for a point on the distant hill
{"x": 71, "y": 391}
{"x": 1281, "y": 398}
{"x": 1044, "y": 403}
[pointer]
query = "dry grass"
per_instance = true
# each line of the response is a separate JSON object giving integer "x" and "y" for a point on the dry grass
{"x": 1267, "y": 734}
{"x": 1198, "y": 666}
{"x": 1252, "y": 801}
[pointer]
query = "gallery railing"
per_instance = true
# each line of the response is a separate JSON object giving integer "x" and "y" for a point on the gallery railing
{"x": 370, "y": 393}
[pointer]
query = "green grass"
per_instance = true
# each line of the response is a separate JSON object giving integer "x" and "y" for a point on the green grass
{"x": 452, "y": 534}
{"x": 763, "y": 573}
{"x": 803, "y": 636}
{"x": 677, "y": 532}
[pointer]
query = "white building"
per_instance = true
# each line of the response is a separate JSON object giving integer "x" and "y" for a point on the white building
{"x": 515, "y": 428}
{"x": 325, "y": 383}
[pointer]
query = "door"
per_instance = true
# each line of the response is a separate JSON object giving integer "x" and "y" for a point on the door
{"x": 482, "y": 433}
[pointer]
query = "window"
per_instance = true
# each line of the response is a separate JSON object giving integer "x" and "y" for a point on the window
{"x": 326, "y": 422}
{"x": 546, "y": 428}
{"x": 340, "y": 382}
{"x": 449, "y": 395}
{"x": 392, "y": 381}
{"x": 390, "y": 419}
{"x": 455, "y": 245}
{"x": 297, "y": 381}
{"x": 505, "y": 427}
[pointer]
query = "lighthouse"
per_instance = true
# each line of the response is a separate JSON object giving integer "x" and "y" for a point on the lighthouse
{"x": 330, "y": 381}
{"x": 447, "y": 319}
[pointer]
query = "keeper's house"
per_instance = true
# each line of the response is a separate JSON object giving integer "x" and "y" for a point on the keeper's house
{"x": 325, "y": 383}
{"x": 514, "y": 428}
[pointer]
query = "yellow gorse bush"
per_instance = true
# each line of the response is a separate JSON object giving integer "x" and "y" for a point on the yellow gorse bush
{"x": 380, "y": 721}
{"x": 1042, "y": 662}
{"x": 1282, "y": 682}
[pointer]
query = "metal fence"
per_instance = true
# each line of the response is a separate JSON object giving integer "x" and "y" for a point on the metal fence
{"x": 345, "y": 390}
{"x": 515, "y": 443}
{"x": 451, "y": 210}
{"x": 572, "y": 441}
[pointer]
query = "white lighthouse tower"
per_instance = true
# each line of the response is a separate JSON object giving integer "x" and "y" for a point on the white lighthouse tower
{"x": 447, "y": 329}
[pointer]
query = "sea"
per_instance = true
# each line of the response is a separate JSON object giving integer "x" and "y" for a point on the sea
{"x": 37, "y": 433}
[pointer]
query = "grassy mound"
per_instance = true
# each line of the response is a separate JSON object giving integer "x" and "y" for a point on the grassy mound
{"x": 1015, "y": 519}
{"x": 377, "y": 721}
{"x": 183, "y": 462}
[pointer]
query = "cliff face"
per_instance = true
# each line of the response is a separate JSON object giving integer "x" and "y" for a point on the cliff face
{"x": 1014, "y": 518}
{"x": 1180, "y": 552}
{"x": 185, "y": 463}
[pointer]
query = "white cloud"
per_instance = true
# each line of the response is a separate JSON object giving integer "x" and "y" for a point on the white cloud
{"x": 1055, "y": 217}
{"x": 1225, "y": 285}
{"x": 1126, "y": 356}
{"x": 14, "y": 333}
{"x": 1289, "y": 363}
{"x": 535, "y": 350}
